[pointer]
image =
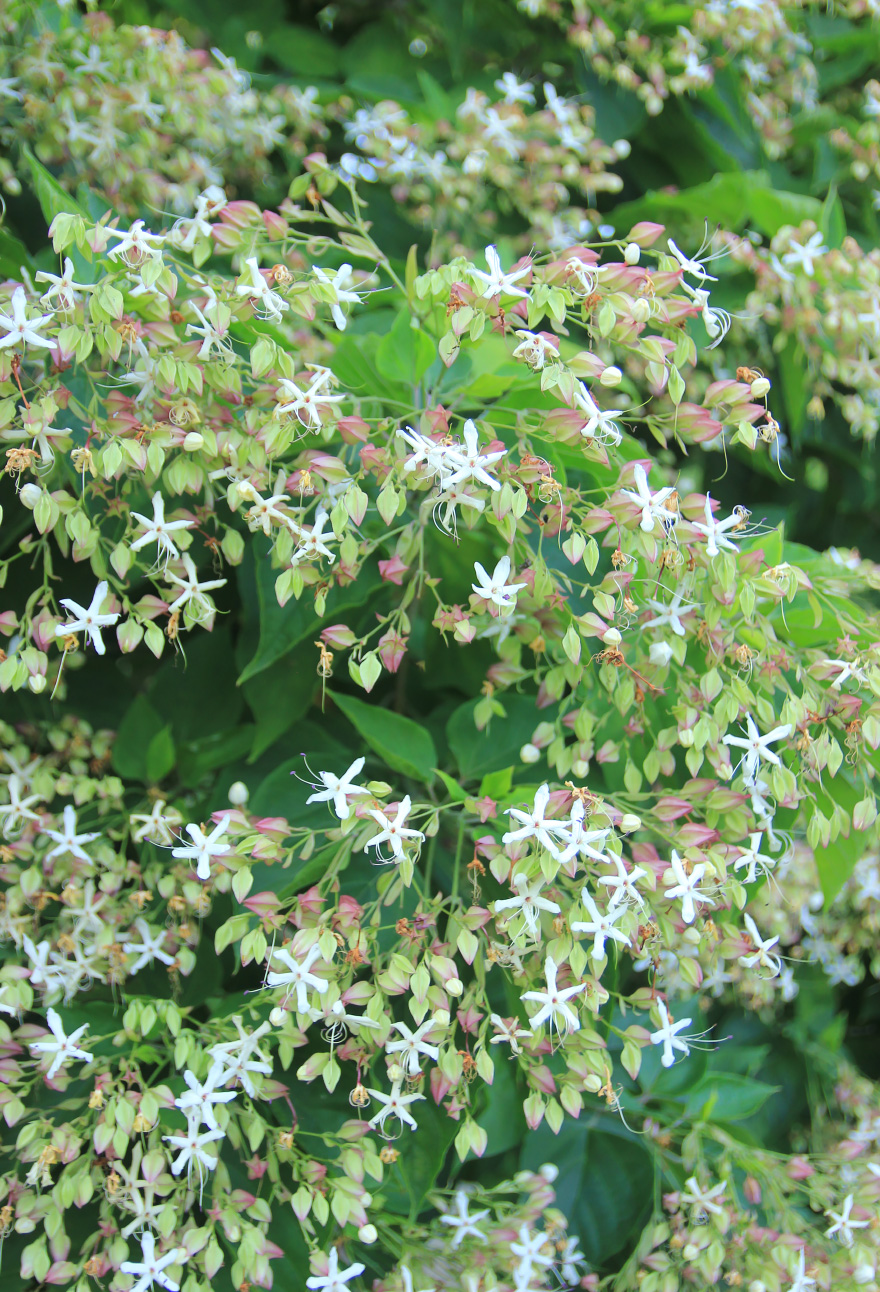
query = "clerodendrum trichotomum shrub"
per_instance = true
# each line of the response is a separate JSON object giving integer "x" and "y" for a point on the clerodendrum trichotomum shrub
{"x": 582, "y": 763}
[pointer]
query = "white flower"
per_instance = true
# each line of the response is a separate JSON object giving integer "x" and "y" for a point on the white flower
{"x": 20, "y": 330}
{"x": 843, "y": 1222}
{"x": 242, "y": 1057}
{"x": 687, "y": 888}
{"x": 212, "y": 330}
{"x": 312, "y": 542}
{"x": 623, "y": 884}
{"x": 157, "y": 529}
{"x": 89, "y": 621}
{"x": 136, "y": 246}
{"x": 803, "y": 255}
{"x": 193, "y": 1150}
{"x": 515, "y": 91}
{"x": 753, "y": 860}
{"x": 266, "y": 510}
{"x": 469, "y": 463}
{"x": 197, "y": 1103}
{"x": 535, "y": 349}
{"x": 204, "y": 847}
{"x": 150, "y": 1270}
{"x": 714, "y": 531}
{"x": 495, "y": 588}
{"x": 148, "y": 949}
{"x": 761, "y": 954}
{"x": 394, "y": 1104}
{"x": 802, "y": 1281}
{"x": 599, "y": 425}
{"x": 335, "y": 1279}
{"x": 157, "y": 825}
{"x": 297, "y": 978}
{"x": 62, "y": 1047}
{"x": 339, "y": 789}
{"x": 18, "y": 809}
{"x": 671, "y": 614}
{"x": 692, "y": 265}
{"x": 496, "y": 282}
{"x": 267, "y": 304}
{"x": 668, "y": 1037}
{"x": 412, "y": 1044}
{"x": 340, "y": 287}
{"x": 192, "y": 592}
{"x": 757, "y": 747}
{"x": 393, "y": 832}
{"x": 62, "y": 286}
{"x": 703, "y": 1200}
{"x": 306, "y": 405}
{"x": 553, "y": 1003}
{"x": 67, "y": 841}
{"x": 601, "y": 925}
{"x": 651, "y": 504}
{"x": 464, "y": 1224}
{"x": 528, "y": 902}
{"x": 535, "y": 825}
{"x": 507, "y": 1032}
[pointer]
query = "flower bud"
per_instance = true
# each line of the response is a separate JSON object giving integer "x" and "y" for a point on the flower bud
{"x": 757, "y": 1285}
{"x": 610, "y": 377}
{"x": 690, "y": 1251}
{"x": 277, "y": 1016}
{"x": 193, "y": 441}
{"x": 530, "y": 753}
{"x": 30, "y": 495}
{"x": 622, "y": 148}
{"x": 629, "y": 822}
{"x": 580, "y": 767}
{"x": 759, "y": 387}
{"x": 454, "y": 986}
{"x": 238, "y": 794}
{"x": 660, "y": 653}
{"x": 864, "y": 1274}
{"x": 37, "y": 683}
{"x": 549, "y": 1172}
{"x": 641, "y": 310}
{"x": 631, "y": 253}
{"x": 612, "y": 638}
{"x": 368, "y": 1233}
{"x": 395, "y": 1073}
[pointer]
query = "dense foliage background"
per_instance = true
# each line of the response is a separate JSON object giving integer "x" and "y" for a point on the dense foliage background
{"x": 405, "y": 140}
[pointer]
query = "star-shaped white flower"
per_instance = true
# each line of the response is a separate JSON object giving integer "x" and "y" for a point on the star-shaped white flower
{"x": 63, "y": 1047}
{"x": 335, "y": 1279}
{"x": 204, "y": 847}
{"x": 534, "y": 824}
{"x": 339, "y": 789}
{"x": 667, "y": 1036}
{"x": 150, "y": 1269}
{"x": 242, "y": 1057}
{"x": 843, "y": 1223}
{"x": 67, "y": 841}
{"x": 761, "y": 955}
{"x": 340, "y": 285}
{"x": 757, "y": 747}
{"x": 623, "y": 884}
{"x": 671, "y": 614}
{"x": 464, "y": 1224}
{"x": 554, "y": 1008}
{"x": 193, "y": 1150}
{"x": 212, "y": 328}
{"x": 715, "y": 531}
{"x": 297, "y": 976}
{"x": 528, "y": 902}
{"x": 752, "y": 860}
{"x": 469, "y": 463}
{"x": 148, "y": 949}
{"x": 264, "y": 511}
{"x": 650, "y": 504}
{"x": 495, "y": 587}
{"x": 192, "y": 592}
{"x": 197, "y": 1103}
{"x": 601, "y": 925}
{"x": 600, "y": 424}
{"x": 313, "y": 542}
{"x": 804, "y": 255}
{"x": 393, "y": 832}
{"x": 18, "y": 809}
{"x": 157, "y": 529}
{"x": 20, "y": 330}
{"x": 157, "y": 825}
{"x": 136, "y": 246}
{"x": 267, "y": 304}
{"x": 307, "y": 405}
{"x": 802, "y": 1281}
{"x": 496, "y": 282}
{"x": 412, "y": 1044}
{"x": 687, "y": 887}
{"x": 394, "y": 1104}
{"x": 703, "y": 1200}
{"x": 62, "y": 286}
{"x": 88, "y": 620}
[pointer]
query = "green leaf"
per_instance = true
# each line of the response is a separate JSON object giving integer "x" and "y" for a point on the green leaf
{"x": 605, "y": 1185}
{"x": 405, "y": 353}
{"x": 452, "y": 785}
{"x": 303, "y": 51}
{"x": 280, "y": 695}
{"x": 407, "y": 1186}
{"x": 837, "y": 862}
{"x": 832, "y": 221}
{"x": 726, "y": 1097}
{"x": 160, "y": 755}
{"x": 51, "y": 196}
{"x": 140, "y": 727}
{"x": 399, "y": 742}
{"x": 197, "y": 758}
{"x": 496, "y": 747}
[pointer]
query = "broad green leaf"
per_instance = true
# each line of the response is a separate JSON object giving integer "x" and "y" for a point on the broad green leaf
{"x": 405, "y": 353}
{"x": 160, "y": 755}
{"x": 401, "y": 743}
{"x": 408, "y": 1183}
{"x": 496, "y": 747}
{"x": 51, "y": 196}
{"x": 726, "y": 1097}
{"x": 837, "y": 862}
{"x": 280, "y": 695}
{"x": 141, "y": 725}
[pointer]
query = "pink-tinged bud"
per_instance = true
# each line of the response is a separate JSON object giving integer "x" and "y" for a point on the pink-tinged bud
{"x": 533, "y": 1107}
{"x": 102, "y": 1137}
{"x": 645, "y": 233}
{"x": 438, "y": 419}
{"x": 150, "y": 607}
{"x": 43, "y": 630}
{"x": 469, "y": 1019}
{"x": 314, "y": 162}
{"x": 60, "y": 1272}
{"x": 350, "y": 911}
{"x": 272, "y": 1090}
{"x": 241, "y": 214}
{"x": 373, "y": 456}
{"x": 670, "y": 809}
{"x": 609, "y": 753}
{"x": 264, "y": 850}
{"x": 275, "y": 826}
{"x": 265, "y": 905}
{"x": 354, "y": 430}
{"x": 752, "y": 1191}
{"x": 257, "y": 1168}
{"x": 338, "y": 636}
{"x": 694, "y": 835}
{"x": 8, "y": 623}
{"x": 276, "y": 225}
{"x": 486, "y": 808}
{"x": 799, "y": 1169}
{"x": 440, "y": 1085}
{"x": 464, "y": 631}
{"x": 129, "y": 634}
{"x": 227, "y": 236}
{"x": 392, "y": 648}
{"x": 313, "y": 1172}
{"x": 152, "y": 1166}
{"x": 542, "y": 1077}
{"x": 98, "y": 239}
{"x": 311, "y": 901}
{"x": 301, "y": 1204}
{"x": 597, "y": 520}
{"x": 393, "y": 571}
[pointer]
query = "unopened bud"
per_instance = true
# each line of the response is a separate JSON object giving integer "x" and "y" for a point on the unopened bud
{"x": 629, "y": 822}
{"x": 759, "y": 387}
{"x": 368, "y": 1233}
{"x": 581, "y": 768}
{"x": 612, "y": 637}
{"x": 622, "y": 148}
{"x": 37, "y": 683}
{"x": 454, "y": 986}
{"x": 30, "y": 495}
{"x": 641, "y": 310}
{"x": 690, "y": 1251}
{"x": 238, "y": 794}
{"x": 610, "y": 377}
{"x": 631, "y": 253}
{"x": 529, "y": 753}
{"x": 277, "y": 1016}
{"x": 193, "y": 441}
{"x": 549, "y": 1172}
{"x": 864, "y": 1274}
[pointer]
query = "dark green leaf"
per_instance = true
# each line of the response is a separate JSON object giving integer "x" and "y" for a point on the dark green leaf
{"x": 498, "y": 746}
{"x": 726, "y": 1097}
{"x": 51, "y": 196}
{"x": 140, "y": 726}
{"x": 401, "y": 743}
{"x": 405, "y": 353}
